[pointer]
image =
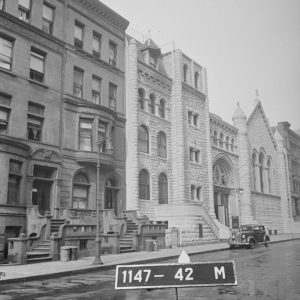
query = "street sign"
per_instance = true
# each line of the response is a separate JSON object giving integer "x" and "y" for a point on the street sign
{"x": 175, "y": 275}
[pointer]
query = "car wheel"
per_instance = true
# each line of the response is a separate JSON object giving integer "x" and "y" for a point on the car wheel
{"x": 267, "y": 243}
{"x": 251, "y": 244}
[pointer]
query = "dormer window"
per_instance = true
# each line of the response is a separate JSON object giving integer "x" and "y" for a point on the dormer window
{"x": 152, "y": 61}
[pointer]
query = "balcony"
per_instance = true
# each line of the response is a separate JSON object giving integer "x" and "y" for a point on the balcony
{"x": 90, "y": 157}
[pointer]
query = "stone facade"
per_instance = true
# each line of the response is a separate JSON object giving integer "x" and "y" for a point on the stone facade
{"x": 62, "y": 88}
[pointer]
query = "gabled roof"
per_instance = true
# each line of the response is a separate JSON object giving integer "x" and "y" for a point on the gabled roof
{"x": 259, "y": 108}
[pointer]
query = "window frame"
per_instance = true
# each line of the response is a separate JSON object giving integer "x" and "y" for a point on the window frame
{"x": 85, "y": 134}
{"x": 144, "y": 185}
{"x": 9, "y": 40}
{"x": 163, "y": 189}
{"x": 143, "y": 143}
{"x": 78, "y": 86}
{"x": 113, "y": 96}
{"x": 26, "y": 10}
{"x": 152, "y": 103}
{"x": 35, "y": 74}
{"x": 162, "y": 108}
{"x": 161, "y": 144}
{"x": 96, "y": 93}
{"x": 48, "y": 21}
{"x": 78, "y": 42}
{"x": 97, "y": 36}
{"x": 112, "y": 49}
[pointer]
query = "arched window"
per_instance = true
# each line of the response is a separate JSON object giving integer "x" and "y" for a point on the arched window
{"x": 232, "y": 145}
{"x": 81, "y": 188}
{"x": 151, "y": 106}
{"x": 141, "y": 98}
{"x": 269, "y": 170}
{"x": 261, "y": 171}
{"x": 215, "y": 138}
{"x": 161, "y": 110}
{"x": 254, "y": 171}
{"x": 185, "y": 73}
{"x": 227, "y": 142}
{"x": 144, "y": 185}
{"x": 162, "y": 189}
{"x": 143, "y": 139}
{"x": 161, "y": 145}
{"x": 196, "y": 80}
{"x": 221, "y": 140}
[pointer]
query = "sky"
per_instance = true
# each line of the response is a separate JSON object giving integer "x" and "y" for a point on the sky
{"x": 245, "y": 45}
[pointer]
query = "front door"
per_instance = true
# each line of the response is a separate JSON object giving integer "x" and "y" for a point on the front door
{"x": 221, "y": 205}
{"x": 111, "y": 199}
{"x": 41, "y": 195}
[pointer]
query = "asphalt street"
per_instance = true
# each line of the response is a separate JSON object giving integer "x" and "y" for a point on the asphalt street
{"x": 262, "y": 273}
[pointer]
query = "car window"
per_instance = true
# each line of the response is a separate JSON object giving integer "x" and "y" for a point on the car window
{"x": 245, "y": 228}
{"x": 256, "y": 227}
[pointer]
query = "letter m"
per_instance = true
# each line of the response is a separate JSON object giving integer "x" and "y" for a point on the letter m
{"x": 219, "y": 272}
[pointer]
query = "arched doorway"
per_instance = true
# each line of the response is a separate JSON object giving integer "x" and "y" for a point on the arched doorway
{"x": 111, "y": 196}
{"x": 221, "y": 177}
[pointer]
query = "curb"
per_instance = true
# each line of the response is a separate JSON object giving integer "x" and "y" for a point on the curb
{"x": 112, "y": 266}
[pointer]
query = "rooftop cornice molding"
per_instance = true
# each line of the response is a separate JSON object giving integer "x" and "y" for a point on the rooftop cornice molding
{"x": 105, "y": 12}
{"x": 193, "y": 91}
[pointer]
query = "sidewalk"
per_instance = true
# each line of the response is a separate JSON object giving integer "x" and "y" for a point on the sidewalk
{"x": 23, "y": 273}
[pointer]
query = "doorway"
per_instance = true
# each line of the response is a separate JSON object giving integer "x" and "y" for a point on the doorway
{"x": 111, "y": 199}
{"x": 221, "y": 206}
{"x": 41, "y": 195}
{"x": 10, "y": 232}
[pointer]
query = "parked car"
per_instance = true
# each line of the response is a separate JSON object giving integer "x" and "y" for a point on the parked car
{"x": 249, "y": 236}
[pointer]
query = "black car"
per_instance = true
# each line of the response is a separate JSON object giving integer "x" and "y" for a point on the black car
{"x": 249, "y": 236}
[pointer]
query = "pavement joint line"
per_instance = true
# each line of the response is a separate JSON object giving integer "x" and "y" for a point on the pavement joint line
{"x": 129, "y": 259}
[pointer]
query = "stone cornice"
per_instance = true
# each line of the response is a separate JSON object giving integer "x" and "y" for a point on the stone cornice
{"x": 14, "y": 142}
{"x": 223, "y": 124}
{"x": 105, "y": 13}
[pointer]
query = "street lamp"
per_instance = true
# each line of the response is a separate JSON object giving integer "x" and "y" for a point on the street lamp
{"x": 109, "y": 149}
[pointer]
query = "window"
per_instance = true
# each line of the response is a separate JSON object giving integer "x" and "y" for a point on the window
{"x": 215, "y": 138}
{"x": 196, "y": 80}
{"x": 112, "y": 96}
{"x": 152, "y": 61}
{"x": 162, "y": 189}
{"x": 96, "y": 44}
{"x": 78, "y": 82}
{"x": 102, "y": 134}
{"x": 232, "y": 145}
{"x": 221, "y": 140}
{"x": 6, "y": 46}
{"x": 152, "y": 104}
{"x": 24, "y": 10}
{"x": 195, "y": 119}
{"x": 198, "y": 193}
{"x": 1, "y": 4}
{"x": 37, "y": 65}
{"x": 193, "y": 189}
{"x": 261, "y": 171}
{"x": 161, "y": 109}
{"x": 144, "y": 185}
{"x": 161, "y": 145}
{"x": 190, "y": 117}
{"x": 78, "y": 35}
{"x": 141, "y": 98}
{"x": 83, "y": 244}
{"x": 48, "y": 17}
{"x": 194, "y": 155}
{"x": 185, "y": 73}
{"x": 14, "y": 179}
{"x": 85, "y": 134}
{"x": 35, "y": 121}
{"x": 81, "y": 188}
{"x": 143, "y": 139}
{"x": 96, "y": 90}
{"x": 254, "y": 170}
{"x": 269, "y": 174}
{"x": 112, "y": 56}
{"x": 4, "y": 117}
{"x": 227, "y": 142}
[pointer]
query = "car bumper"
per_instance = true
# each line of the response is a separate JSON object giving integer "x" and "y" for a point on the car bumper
{"x": 236, "y": 243}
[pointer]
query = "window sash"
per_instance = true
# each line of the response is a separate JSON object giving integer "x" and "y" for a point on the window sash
{"x": 5, "y": 53}
{"x": 78, "y": 76}
{"x": 3, "y": 114}
{"x": 48, "y": 13}
{"x": 96, "y": 84}
{"x": 1, "y": 4}
{"x": 85, "y": 135}
{"x": 96, "y": 43}
{"x": 78, "y": 32}
{"x": 37, "y": 62}
{"x": 25, "y": 3}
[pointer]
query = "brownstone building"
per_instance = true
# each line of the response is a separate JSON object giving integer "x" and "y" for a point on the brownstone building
{"x": 61, "y": 91}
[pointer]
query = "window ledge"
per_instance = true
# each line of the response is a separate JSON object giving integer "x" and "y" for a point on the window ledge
{"x": 8, "y": 72}
{"x": 38, "y": 83}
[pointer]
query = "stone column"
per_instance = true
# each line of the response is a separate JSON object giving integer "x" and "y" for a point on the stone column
{"x": 132, "y": 171}
{"x": 240, "y": 121}
{"x": 284, "y": 182}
